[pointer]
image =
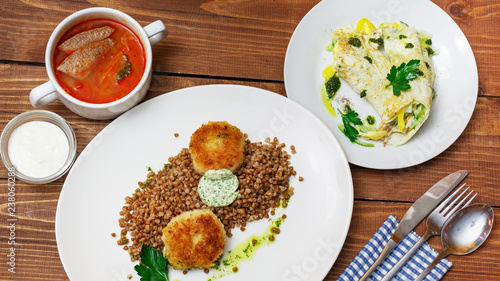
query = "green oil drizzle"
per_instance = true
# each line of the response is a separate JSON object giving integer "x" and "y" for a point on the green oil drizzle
{"x": 246, "y": 250}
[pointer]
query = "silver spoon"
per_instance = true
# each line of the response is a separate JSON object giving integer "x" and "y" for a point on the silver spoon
{"x": 463, "y": 233}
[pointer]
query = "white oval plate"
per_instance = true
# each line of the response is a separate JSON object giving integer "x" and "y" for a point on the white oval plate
{"x": 318, "y": 215}
{"x": 456, "y": 81}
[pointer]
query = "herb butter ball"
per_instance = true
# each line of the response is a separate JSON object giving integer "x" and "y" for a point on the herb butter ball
{"x": 217, "y": 145}
{"x": 194, "y": 239}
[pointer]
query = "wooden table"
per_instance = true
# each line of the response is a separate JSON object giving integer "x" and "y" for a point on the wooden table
{"x": 242, "y": 42}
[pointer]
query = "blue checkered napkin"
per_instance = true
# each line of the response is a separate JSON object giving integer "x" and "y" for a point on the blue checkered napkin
{"x": 424, "y": 256}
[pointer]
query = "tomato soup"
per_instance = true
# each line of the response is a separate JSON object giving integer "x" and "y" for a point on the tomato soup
{"x": 106, "y": 62}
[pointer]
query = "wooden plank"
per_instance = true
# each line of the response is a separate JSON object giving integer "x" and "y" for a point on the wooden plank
{"x": 476, "y": 150}
{"x": 475, "y": 20}
{"x": 204, "y": 38}
{"x": 35, "y": 256}
{"x": 35, "y": 237}
{"x": 367, "y": 218}
{"x": 244, "y": 42}
{"x": 208, "y": 37}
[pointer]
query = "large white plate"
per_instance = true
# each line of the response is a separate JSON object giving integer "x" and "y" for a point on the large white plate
{"x": 109, "y": 168}
{"x": 456, "y": 82}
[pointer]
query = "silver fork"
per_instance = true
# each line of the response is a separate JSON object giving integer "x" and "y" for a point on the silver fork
{"x": 434, "y": 223}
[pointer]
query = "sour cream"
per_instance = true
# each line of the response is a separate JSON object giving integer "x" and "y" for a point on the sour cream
{"x": 38, "y": 149}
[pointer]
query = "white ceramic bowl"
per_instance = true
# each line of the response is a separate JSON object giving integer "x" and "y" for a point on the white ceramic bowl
{"x": 51, "y": 91}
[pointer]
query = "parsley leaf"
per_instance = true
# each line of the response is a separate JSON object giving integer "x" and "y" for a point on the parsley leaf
{"x": 350, "y": 117}
{"x": 401, "y": 76}
{"x": 350, "y": 126}
{"x": 153, "y": 265}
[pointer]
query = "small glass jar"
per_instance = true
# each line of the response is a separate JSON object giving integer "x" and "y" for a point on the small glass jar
{"x": 38, "y": 115}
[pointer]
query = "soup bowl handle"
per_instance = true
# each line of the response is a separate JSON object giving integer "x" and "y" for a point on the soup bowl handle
{"x": 156, "y": 32}
{"x": 43, "y": 95}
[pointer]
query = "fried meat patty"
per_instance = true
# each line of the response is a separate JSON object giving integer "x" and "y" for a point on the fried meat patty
{"x": 194, "y": 239}
{"x": 217, "y": 145}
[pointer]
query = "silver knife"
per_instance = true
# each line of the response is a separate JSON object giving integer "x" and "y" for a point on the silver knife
{"x": 417, "y": 212}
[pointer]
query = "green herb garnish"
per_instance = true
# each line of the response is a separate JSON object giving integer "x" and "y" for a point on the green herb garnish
{"x": 332, "y": 86}
{"x": 125, "y": 71}
{"x": 153, "y": 266}
{"x": 355, "y": 42}
{"x": 379, "y": 41}
{"x": 349, "y": 119}
{"x": 368, "y": 59}
{"x": 370, "y": 120}
{"x": 362, "y": 94}
{"x": 401, "y": 76}
{"x": 409, "y": 46}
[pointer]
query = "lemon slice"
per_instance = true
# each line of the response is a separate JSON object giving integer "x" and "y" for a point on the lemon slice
{"x": 365, "y": 26}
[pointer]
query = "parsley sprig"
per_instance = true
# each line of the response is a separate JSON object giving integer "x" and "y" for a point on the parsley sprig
{"x": 402, "y": 75}
{"x": 153, "y": 265}
{"x": 349, "y": 120}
